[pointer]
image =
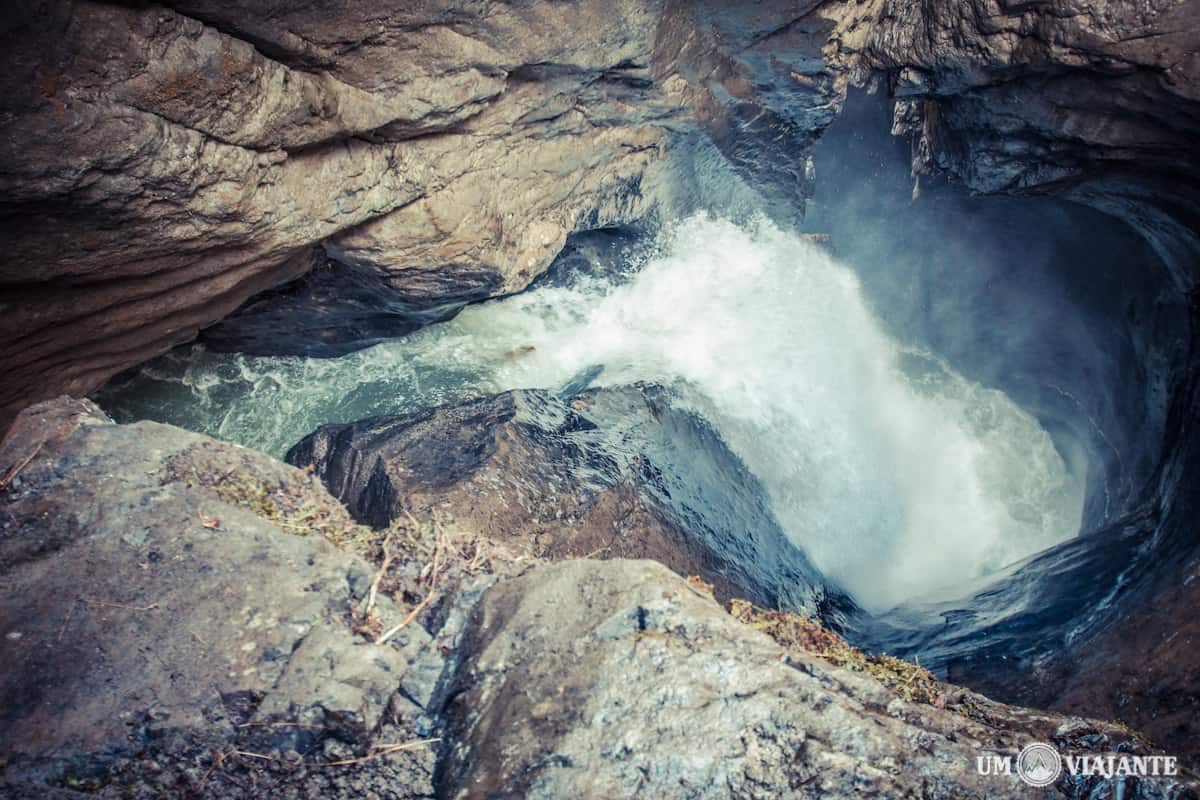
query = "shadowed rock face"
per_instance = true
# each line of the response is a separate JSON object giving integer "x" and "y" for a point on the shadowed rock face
{"x": 1097, "y": 101}
{"x": 611, "y": 473}
{"x": 336, "y": 308}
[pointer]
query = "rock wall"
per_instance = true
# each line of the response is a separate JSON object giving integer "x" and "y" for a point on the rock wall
{"x": 161, "y": 165}
{"x": 1099, "y": 102}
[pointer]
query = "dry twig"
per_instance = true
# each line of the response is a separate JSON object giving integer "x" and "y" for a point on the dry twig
{"x": 20, "y": 465}
{"x": 107, "y": 604}
{"x": 437, "y": 549}
{"x": 380, "y": 751}
{"x": 383, "y": 568}
{"x": 384, "y": 750}
{"x": 67, "y": 619}
{"x": 218, "y": 760}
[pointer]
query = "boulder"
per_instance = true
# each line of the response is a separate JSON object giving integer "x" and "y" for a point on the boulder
{"x": 612, "y": 472}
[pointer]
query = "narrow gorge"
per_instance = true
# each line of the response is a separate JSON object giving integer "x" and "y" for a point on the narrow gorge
{"x": 651, "y": 398}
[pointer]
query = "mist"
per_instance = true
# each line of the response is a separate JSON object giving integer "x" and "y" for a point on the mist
{"x": 1039, "y": 298}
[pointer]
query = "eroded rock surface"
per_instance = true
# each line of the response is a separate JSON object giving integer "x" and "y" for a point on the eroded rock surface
{"x": 159, "y": 166}
{"x": 631, "y": 683}
{"x": 146, "y": 611}
{"x": 1097, "y": 101}
{"x": 177, "y": 622}
{"x": 613, "y": 472}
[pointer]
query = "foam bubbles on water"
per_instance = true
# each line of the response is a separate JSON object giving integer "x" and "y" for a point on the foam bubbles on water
{"x": 898, "y": 477}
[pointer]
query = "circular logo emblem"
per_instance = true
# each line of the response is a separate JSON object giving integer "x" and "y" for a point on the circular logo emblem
{"x": 1039, "y": 764}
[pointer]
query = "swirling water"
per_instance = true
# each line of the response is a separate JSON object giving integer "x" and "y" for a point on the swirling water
{"x": 899, "y": 478}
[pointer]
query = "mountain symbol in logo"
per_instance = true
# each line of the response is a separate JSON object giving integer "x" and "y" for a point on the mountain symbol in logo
{"x": 1039, "y": 764}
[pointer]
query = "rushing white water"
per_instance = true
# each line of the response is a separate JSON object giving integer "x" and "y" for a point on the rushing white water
{"x": 898, "y": 477}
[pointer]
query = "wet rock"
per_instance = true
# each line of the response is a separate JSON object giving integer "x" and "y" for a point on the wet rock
{"x": 1133, "y": 662}
{"x": 334, "y": 309}
{"x": 1099, "y": 103}
{"x": 609, "y": 472}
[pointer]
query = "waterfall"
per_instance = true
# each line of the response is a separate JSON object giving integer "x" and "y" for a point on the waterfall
{"x": 898, "y": 477}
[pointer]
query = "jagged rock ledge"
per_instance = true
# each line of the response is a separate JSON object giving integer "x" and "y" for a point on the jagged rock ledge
{"x": 190, "y": 617}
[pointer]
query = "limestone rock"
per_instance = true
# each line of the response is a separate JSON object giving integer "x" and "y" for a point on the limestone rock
{"x": 160, "y": 166}
{"x": 167, "y": 631}
{"x": 1099, "y": 102}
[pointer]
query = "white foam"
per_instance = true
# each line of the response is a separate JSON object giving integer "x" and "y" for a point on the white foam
{"x": 898, "y": 477}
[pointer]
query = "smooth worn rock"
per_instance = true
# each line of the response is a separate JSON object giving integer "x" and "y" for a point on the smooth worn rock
{"x": 557, "y": 478}
{"x": 335, "y": 309}
{"x": 1097, "y": 102}
{"x": 160, "y": 166}
{"x": 155, "y": 590}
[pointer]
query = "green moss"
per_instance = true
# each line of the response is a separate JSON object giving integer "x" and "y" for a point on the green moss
{"x": 1125, "y": 728}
